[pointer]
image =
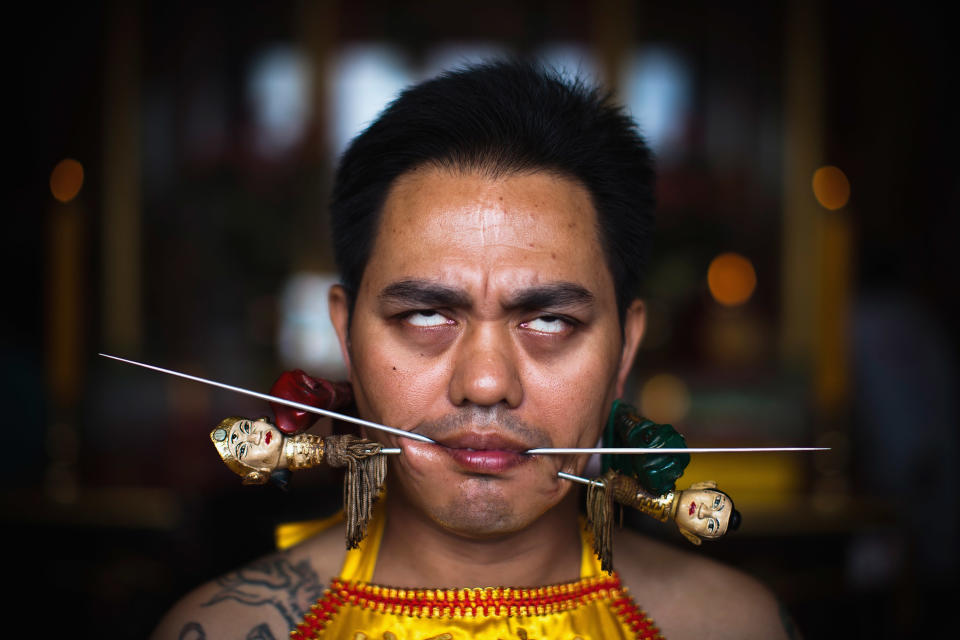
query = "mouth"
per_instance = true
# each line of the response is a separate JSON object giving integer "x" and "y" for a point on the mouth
{"x": 693, "y": 508}
{"x": 485, "y": 453}
{"x": 268, "y": 437}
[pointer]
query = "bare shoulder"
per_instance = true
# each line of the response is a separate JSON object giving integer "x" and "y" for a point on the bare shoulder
{"x": 263, "y": 600}
{"x": 689, "y": 595}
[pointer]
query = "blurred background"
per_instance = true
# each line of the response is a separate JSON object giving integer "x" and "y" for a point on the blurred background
{"x": 171, "y": 167}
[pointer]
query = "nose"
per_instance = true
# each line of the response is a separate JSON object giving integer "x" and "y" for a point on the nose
{"x": 485, "y": 371}
{"x": 254, "y": 436}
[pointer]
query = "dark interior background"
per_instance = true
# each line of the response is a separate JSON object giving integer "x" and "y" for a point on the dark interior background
{"x": 197, "y": 242}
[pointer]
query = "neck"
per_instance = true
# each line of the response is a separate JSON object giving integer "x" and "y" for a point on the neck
{"x": 418, "y": 553}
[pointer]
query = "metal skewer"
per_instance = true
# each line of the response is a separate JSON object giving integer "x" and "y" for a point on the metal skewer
{"x": 635, "y": 451}
{"x": 573, "y": 478}
{"x": 289, "y": 403}
{"x": 422, "y": 438}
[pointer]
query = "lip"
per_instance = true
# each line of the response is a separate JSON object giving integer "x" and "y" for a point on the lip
{"x": 268, "y": 437}
{"x": 486, "y": 453}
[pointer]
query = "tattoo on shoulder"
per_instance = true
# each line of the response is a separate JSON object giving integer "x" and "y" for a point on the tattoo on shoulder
{"x": 789, "y": 626}
{"x": 261, "y": 632}
{"x": 274, "y": 581}
{"x": 192, "y": 631}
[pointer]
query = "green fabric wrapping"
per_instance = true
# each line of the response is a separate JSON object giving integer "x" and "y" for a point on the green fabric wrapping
{"x": 657, "y": 473}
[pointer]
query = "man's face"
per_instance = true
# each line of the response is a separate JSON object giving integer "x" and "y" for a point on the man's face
{"x": 486, "y": 319}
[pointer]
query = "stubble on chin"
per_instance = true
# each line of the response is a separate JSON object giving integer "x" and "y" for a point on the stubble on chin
{"x": 480, "y": 511}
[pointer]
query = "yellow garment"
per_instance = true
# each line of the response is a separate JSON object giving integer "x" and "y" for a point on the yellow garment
{"x": 595, "y": 607}
{"x": 290, "y": 534}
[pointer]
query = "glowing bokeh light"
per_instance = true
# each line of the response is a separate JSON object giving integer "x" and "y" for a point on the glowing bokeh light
{"x": 279, "y": 90}
{"x": 66, "y": 180}
{"x": 363, "y": 80}
{"x": 831, "y": 187}
{"x": 731, "y": 279}
{"x": 658, "y": 89}
{"x": 306, "y": 338}
{"x": 665, "y": 398}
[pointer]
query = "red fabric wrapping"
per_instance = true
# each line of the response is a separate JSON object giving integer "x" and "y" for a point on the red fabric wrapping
{"x": 300, "y": 387}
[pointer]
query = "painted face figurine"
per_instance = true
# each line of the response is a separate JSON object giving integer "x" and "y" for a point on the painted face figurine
{"x": 250, "y": 448}
{"x": 704, "y": 512}
{"x": 701, "y": 512}
{"x": 257, "y": 451}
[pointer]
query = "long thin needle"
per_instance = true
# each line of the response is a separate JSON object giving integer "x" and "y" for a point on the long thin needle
{"x": 635, "y": 451}
{"x": 289, "y": 403}
{"x": 573, "y": 478}
{"x": 421, "y": 438}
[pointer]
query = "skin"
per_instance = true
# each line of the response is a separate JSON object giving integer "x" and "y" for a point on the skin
{"x": 448, "y": 339}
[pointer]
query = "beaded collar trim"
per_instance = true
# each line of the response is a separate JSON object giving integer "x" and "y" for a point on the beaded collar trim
{"x": 476, "y": 603}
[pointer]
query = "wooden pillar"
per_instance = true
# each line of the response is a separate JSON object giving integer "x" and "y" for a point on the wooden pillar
{"x": 803, "y": 153}
{"x": 65, "y": 325}
{"x": 817, "y": 271}
{"x": 120, "y": 236}
{"x": 317, "y": 34}
{"x": 614, "y": 33}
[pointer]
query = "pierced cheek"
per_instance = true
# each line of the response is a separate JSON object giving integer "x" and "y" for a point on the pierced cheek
{"x": 417, "y": 455}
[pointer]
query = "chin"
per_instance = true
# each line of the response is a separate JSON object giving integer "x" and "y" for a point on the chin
{"x": 482, "y": 508}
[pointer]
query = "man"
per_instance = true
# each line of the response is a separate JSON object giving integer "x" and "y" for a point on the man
{"x": 490, "y": 228}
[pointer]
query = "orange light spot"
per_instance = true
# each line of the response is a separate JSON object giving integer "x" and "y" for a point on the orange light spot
{"x": 731, "y": 279}
{"x": 66, "y": 179}
{"x": 831, "y": 187}
{"x": 665, "y": 398}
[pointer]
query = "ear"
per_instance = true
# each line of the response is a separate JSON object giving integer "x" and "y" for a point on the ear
{"x": 634, "y": 324}
{"x": 340, "y": 317}
{"x": 690, "y": 536}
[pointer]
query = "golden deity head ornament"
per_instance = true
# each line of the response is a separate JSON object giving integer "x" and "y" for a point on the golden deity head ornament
{"x": 250, "y": 448}
{"x": 702, "y": 512}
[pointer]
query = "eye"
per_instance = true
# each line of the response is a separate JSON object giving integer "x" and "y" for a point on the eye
{"x": 547, "y": 324}
{"x": 427, "y": 319}
{"x": 716, "y": 502}
{"x": 245, "y": 427}
{"x": 233, "y": 437}
{"x": 711, "y": 525}
{"x": 241, "y": 452}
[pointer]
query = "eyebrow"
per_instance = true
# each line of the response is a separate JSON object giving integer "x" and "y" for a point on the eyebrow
{"x": 550, "y": 296}
{"x": 423, "y": 293}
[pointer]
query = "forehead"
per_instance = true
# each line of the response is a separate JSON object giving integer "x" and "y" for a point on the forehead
{"x": 708, "y": 494}
{"x": 471, "y": 228}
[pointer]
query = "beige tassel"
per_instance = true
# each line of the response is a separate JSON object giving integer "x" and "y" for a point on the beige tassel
{"x": 366, "y": 469}
{"x": 600, "y": 519}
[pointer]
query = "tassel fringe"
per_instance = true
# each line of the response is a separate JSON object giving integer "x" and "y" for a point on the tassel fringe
{"x": 366, "y": 470}
{"x": 600, "y": 519}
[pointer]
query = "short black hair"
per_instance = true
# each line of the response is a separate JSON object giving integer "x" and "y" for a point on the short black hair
{"x": 735, "y": 516}
{"x": 502, "y": 117}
